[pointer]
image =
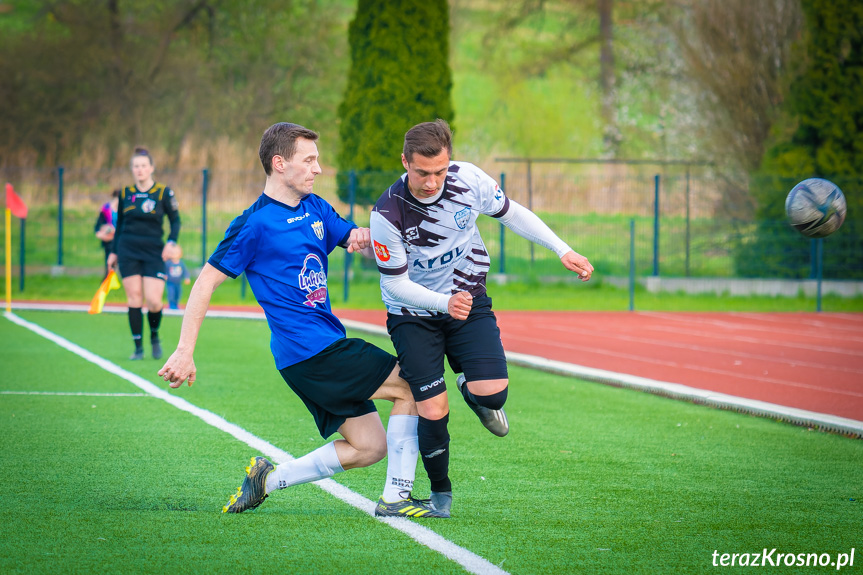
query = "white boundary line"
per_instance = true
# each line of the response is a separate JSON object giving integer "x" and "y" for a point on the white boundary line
{"x": 470, "y": 561}
{"x": 793, "y": 415}
{"x": 75, "y": 393}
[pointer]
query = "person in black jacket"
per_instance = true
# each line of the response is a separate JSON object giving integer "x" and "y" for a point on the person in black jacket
{"x": 139, "y": 250}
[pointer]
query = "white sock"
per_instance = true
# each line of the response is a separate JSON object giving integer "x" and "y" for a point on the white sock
{"x": 402, "y": 449}
{"x": 321, "y": 463}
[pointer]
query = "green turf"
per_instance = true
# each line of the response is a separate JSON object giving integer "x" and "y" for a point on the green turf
{"x": 591, "y": 478}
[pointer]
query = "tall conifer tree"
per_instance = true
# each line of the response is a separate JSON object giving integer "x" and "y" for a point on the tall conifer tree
{"x": 399, "y": 76}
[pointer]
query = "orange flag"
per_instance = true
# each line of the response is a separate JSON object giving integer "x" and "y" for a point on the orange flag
{"x": 14, "y": 203}
{"x": 110, "y": 282}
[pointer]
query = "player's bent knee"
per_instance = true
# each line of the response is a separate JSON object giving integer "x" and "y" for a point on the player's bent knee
{"x": 431, "y": 409}
{"x": 493, "y": 401}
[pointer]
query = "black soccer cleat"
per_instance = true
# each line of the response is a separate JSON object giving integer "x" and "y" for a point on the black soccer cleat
{"x": 157, "y": 348}
{"x": 253, "y": 491}
{"x": 493, "y": 419}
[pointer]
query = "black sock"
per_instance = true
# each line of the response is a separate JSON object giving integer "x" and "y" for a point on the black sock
{"x": 136, "y": 323}
{"x": 493, "y": 401}
{"x": 434, "y": 447}
{"x": 155, "y": 320}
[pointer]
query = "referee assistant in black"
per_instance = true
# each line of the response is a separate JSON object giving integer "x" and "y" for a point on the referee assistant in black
{"x": 139, "y": 250}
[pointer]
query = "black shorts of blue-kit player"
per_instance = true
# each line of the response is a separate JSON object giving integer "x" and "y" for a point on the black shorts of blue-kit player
{"x": 336, "y": 384}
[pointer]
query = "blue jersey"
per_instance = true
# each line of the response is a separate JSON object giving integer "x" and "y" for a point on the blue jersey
{"x": 283, "y": 251}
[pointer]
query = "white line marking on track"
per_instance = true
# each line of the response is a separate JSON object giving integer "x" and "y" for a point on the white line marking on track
{"x": 471, "y": 562}
{"x": 709, "y": 349}
{"x": 695, "y": 321}
{"x": 693, "y": 367}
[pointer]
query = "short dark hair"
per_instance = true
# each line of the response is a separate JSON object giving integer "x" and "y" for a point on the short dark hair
{"x": 281, "y": 139}
{"x": 116, "y": 193}
{"x": 143, "y": 153}
{"x": 428, "y": 139}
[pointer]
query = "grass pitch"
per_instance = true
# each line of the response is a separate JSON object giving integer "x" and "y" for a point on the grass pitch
{"x": 590, "y": 479}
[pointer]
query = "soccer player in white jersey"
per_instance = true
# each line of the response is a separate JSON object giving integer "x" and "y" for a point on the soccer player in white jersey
{"x": 433, "y": 266}
{"x": 281, "y": 243}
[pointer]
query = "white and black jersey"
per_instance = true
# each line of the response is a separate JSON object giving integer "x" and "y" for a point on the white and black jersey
{"x": 437, "y": 244}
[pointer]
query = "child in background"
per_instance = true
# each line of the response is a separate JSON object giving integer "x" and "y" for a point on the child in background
{"x": 178, "y": 275}
{"x": 106, "y": 224}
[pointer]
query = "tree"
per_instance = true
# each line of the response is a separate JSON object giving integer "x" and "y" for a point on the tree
{"x": 399, "y": 76}
{"x": 739, "y": 55}
{"x": 825, "y": 112}
{"x": 162, "y": 73}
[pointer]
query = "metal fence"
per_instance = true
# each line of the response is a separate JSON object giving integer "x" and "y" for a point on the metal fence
{"x": 685, "y": 221}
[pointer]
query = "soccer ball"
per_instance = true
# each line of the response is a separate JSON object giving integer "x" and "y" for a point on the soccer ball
{"x": 815, "y": 207}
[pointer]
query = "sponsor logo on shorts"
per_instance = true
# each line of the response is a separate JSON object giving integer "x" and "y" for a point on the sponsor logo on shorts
{"x": 313, "y": 279}
{"x": 298, "y": 218}
{"x": 318, "y": 228}
{"x": 434, "y": 453}
{"x": 382, "y": 252}
{"x": 433, "y": 384}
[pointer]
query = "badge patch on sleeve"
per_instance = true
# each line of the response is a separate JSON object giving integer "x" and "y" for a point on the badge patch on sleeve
{"x": 382, "y": 252}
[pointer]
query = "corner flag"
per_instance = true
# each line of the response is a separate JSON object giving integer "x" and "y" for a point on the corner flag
{"x": 14, "y": 203}
{"x": 110, "y": 282}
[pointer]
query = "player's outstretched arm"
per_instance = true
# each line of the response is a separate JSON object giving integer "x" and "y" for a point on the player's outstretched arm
{"x": 360, "y": 241}
{"x": 181, "y": 365}
{"x": 575, "y": 262}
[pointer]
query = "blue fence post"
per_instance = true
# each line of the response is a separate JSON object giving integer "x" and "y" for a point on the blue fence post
{"x": 502, "y": 229}
{"x": 352, "y": 194}
{"x": 632, "y": 264}
{"x": 204, "y": 185}
{"x": 813, "y": 258}
{"x": 21, "y": 259}
{"x": 688, "y": 220}
{"x": 656, "y": 225}
{"x": 820, "y": 259}
{"x": 60, "y": 215}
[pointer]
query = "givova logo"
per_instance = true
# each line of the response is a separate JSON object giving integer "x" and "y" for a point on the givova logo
{"x": 433, "y": 384}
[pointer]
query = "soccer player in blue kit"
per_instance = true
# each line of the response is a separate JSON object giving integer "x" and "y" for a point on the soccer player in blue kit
{"x": 433, "y": 266}
{"x": 282, "y": 243}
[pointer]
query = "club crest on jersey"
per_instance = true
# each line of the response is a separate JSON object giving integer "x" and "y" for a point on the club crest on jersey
{"x": 462, "y": 217}
{"x": 318, "y": 228}
{"x": 382, "y": 252}
{"x": 147, "y": 206}
{"x": 313, "y": 280}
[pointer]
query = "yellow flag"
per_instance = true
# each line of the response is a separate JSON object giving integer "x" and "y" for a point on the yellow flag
{"x": 110, "y": 282}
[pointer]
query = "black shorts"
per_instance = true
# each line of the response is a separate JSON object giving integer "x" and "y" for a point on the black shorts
{"x": 336, "y": 384}
{"x": 471, "y": 346}
{"x": 140, "y": 257}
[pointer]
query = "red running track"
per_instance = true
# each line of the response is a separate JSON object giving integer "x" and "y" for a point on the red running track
{"x": 804, "y": 360}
